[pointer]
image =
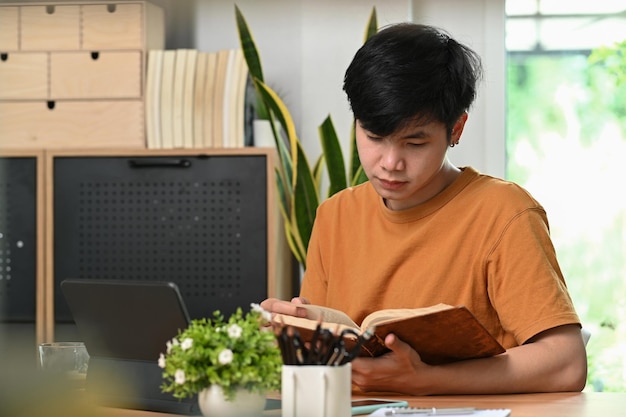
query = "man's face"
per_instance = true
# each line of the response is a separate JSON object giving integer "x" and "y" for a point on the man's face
{"x": 409, "y": 166}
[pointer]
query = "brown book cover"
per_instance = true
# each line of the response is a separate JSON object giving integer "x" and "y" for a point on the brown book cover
{"x": 440, "y": 334}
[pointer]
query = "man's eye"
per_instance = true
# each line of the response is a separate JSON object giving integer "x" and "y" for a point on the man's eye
{"x": 416, "y": 144}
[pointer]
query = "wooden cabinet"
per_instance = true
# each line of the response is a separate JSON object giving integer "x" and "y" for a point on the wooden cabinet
{"x": 21, "y": 249}
{"x": 49, "y": 27}
{"x": 24, "y": 76}
{"x": 96, "y": 75}
{"x": 207, "y": 220}
{"x": 72, "y": 101}
{"x": 73, "y": 73}
{"x": 9, "y": 28}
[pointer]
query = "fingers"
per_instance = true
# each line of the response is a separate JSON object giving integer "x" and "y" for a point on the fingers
{"x": 398, "y": 347}
{"x": 300, "y": 300}
{"x": 274, "y": 305}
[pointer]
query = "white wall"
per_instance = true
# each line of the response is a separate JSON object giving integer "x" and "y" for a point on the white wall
{"x": 306, "y": 45}
{"x": 479, "y": 24}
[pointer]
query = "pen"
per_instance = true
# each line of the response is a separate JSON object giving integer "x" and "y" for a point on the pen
{"x": 431, "y": 411}
{"x": 296, "y": 346}
{"x": 313, "y": 353}
{"x": 354, "y": 352}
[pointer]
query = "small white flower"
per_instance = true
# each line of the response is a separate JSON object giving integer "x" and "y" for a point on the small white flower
{"x": 234, "y": 331}
{"x": 266, "y": 315}
{"x": 170, "y": 344}
{"x": 225, "y": 357}
{"x": 161, "y": 361}
{"x": 186, "y": 344}
{"x": 179, "y": 377}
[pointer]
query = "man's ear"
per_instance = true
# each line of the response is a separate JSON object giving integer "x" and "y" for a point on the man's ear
{"x": 457, "y": 129}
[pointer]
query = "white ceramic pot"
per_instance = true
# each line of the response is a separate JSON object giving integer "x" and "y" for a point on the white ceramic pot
{"x": 263, "y": 135}
{"x": 245, "y": 404}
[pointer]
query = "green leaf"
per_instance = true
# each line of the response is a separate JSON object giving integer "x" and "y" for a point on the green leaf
{"x": 284, "y": 196}
{"x": 253, "y": 60}
{"x": 355, "y": 162}
{"x": 372, "y": 25}
{"x": 333, "y": 156}
{"x": 305, "y": 199}
{"x": 317, "y": 171}
{"x": 248, "y": 46}
{"x": 280, "y": 111}
{"x": 359, "y": 177}
{"x": 298, "y": 186}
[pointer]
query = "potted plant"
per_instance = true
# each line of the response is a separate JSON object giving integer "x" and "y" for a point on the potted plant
{"x": 298, "y": 184}
{"x": 228, "y": 363}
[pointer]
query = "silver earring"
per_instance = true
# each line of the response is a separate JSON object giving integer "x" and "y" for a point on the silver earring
{"x": 453, "y": 144}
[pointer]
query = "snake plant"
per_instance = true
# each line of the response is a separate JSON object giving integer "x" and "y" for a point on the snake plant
{"x": 298, "y": 183}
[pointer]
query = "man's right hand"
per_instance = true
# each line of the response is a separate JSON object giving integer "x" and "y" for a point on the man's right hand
{"x": 290, "y": 308}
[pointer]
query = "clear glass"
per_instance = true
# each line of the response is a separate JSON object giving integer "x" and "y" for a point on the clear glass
{"x": 69, "y": 360}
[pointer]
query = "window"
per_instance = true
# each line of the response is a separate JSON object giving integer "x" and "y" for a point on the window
{"x": 566, "y": 143}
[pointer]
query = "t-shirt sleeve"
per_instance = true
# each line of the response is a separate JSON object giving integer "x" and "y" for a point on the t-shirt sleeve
{"x": 525, "y": 282}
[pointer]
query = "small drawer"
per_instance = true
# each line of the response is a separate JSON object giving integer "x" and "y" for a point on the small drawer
{"x": 86, "y": 124}
{"x": 112, "y": 26}
{"x": 23, "y": 76}
{"x": 50, "y": 27}
{"x": 9, "y": 29}
{"x": 95, "y": 75}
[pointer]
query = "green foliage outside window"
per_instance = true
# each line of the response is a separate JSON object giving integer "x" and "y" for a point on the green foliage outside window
{"x": 566, "y": 143}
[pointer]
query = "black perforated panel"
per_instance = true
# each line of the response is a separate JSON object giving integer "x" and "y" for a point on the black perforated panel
{"x": 18, "y": 246}
{"x": 200, "y": 222}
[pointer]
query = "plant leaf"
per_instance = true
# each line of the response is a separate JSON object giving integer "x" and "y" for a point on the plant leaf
{"x": 334, "y": 157}
{"x": 317, "y": 171}
{"x": 284, "y": 196}
{"x": 304, "y": 196}
{"x": 359, "y": 177}
{"x": 248, "y": 46}
{"x": 305, "y": 199}
{"x": 372, "y": 25}
{"x": 271, "y": 99}
{"x": 355, "y": 162}
{"x": 280, "y": 111}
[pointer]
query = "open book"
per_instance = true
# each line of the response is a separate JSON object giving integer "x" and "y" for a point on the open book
{"x": 441, "y": 333}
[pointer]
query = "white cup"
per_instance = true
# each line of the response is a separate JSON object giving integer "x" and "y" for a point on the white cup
{"x": 316, "y": 390}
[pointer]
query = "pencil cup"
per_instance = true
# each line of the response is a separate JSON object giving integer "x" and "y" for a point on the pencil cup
{"x": 316, "y": 390}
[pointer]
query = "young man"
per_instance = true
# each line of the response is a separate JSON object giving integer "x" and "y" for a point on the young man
{"x": 423, "y": 231}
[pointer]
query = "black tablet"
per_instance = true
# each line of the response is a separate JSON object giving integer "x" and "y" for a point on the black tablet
{"x": 125, "y": 319}
{"x": 125, "y": 326}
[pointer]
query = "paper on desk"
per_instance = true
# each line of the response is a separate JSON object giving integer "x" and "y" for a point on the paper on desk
{"x": 382, "y": 412}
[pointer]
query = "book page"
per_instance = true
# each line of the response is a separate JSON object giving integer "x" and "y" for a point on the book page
{"x": 308, "y": 326}
{"x": 390, "y": 315}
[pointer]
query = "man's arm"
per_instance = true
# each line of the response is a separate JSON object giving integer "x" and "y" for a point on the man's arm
{"x": 554, "y": 360}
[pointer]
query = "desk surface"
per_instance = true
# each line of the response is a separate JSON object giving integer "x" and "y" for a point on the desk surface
{"x": 589, "y": 404}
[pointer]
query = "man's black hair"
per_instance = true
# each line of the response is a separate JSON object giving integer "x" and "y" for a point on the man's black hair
{"x": 411, "y": 73}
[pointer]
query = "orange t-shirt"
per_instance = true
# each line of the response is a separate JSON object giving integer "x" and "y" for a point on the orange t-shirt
{"x": 482, "y": 242}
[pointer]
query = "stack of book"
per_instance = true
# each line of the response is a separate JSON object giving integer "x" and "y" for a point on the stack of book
{"x": 196, "y": 99}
